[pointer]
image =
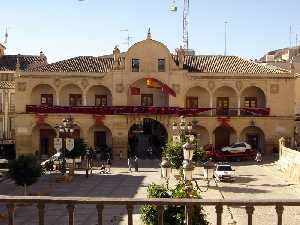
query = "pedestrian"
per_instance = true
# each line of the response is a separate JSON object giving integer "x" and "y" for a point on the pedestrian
{"x": 136, "y": 164}
{"x": 108, "y": 162}
{"x": 129, "y": 164}
{"x": 258, "y": 157}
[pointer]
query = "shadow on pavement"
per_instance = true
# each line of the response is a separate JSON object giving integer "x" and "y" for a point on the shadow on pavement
{"x": 240, "y": 190}
{"x": 117, "y": 186}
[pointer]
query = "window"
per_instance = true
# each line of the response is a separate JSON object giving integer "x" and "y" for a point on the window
{"x": 135, "y": 65}
{"x": 75, "y": 99}
{"x": 12, "y": 102}
{"x": 100, "y": 100}
{"x": 191, "y": 102}
{"x": 47, "y": 99}
{"x": 161, "y": 65}
{"x": 222, "y": 105}
{"x": 147, "y": 99}
{"x": 250, "y": 102}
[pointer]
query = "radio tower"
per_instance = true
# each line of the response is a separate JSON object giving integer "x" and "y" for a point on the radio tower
{"x": 185, "y": 35}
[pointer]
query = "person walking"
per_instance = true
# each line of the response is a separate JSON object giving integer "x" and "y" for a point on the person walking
{"x": 108, "y": 162}
{"x": 136, "y": 164}
{"x": 129, "y": 164}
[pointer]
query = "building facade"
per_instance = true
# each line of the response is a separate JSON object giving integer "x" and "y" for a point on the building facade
{"x": 129, "y": 101}
{"x": 10, "y": 65}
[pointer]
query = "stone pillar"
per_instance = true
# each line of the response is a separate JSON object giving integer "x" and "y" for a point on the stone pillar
{"x": 239, "y": 105}
{"x": 211, "y": 102}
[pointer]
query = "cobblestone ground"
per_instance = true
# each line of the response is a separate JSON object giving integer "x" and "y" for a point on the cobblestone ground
{"x": 254, "y": 181}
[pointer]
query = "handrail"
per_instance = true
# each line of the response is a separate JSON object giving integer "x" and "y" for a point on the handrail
{"x": 148, "y": 201}
{"x": 100, "y": 204}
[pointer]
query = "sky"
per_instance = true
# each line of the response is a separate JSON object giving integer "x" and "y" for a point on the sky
{"x": 68, "y": 28}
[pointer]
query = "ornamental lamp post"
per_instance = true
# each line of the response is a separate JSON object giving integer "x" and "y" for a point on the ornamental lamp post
{"x": 188, "y": 151}
{"x": 208, "y": 168}
{"x": 188, "y": 168}
{"x": 166, "y": 170}
{"x": 66, "y": 129}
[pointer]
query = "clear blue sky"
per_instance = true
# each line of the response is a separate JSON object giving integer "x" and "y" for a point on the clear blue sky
{"x": 68, "y": 28}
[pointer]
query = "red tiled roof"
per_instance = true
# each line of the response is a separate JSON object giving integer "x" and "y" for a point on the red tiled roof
{"x": 200, "y": 64}
{"x": 8, "y": 62}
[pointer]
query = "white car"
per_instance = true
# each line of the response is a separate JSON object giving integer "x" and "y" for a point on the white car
{"x": 224, "y": 172}
{"x": 53, "y": 158}
{"x": 237, "y": 148}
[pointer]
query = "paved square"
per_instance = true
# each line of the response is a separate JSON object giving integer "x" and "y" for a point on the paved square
{"x": 254, "y": 181}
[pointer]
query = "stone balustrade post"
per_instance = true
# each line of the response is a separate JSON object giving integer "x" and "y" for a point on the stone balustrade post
{"x": 279, "y": 211}
{"x": 41, "y": 211}
{"x": 219, "y": 211}
{"x": 249, "y": 211}
{"x": 160, "y": 215}
{"x": 11, "y": 213}
{"x": 129, "y": 211}
{"x": 71, "y": 209}
{"x": 100, "y": 214}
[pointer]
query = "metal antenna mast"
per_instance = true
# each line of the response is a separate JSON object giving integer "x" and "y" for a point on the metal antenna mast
{"x": 128, "y": 38}
{"x": 5, "y": 36}
{"x": 185, "y": 36}
{"x": 225, "y": 38}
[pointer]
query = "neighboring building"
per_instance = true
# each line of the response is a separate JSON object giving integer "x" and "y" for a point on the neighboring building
{"x": 228, "y": 99}
{"x": 288, "y": 58}
{"x": 9, "y": 67}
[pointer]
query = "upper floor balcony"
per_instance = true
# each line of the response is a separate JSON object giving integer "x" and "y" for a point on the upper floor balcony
{"x": 127, "y": 110}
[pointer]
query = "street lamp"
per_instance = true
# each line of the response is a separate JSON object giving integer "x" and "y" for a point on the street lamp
{"x": 166, "y": 169}
{"x": 65, "y": 130}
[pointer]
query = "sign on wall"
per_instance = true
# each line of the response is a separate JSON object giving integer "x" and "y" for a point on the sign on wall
{"x": 69, "y": 144}
{"x": 58, "y": 144}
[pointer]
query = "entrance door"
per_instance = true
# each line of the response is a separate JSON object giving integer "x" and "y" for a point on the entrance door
{"x": 148, "y": 142}
{"x": 100, "y": 139}
{"x": 46, "y": 142}
{"x": 253, "y": 140}
{"x": 222, "y": 137}
{"x": 222, "y": 105}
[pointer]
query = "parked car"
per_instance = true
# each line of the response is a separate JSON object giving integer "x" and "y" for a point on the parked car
{"x": 224, "y": 172}
{"x": 237, "y": 147}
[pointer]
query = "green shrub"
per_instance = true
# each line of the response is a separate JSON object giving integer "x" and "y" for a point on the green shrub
{"x": 172, "y": 214}
{"x": 25, "y": 171}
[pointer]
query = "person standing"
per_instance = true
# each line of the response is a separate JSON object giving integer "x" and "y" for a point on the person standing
{"x": 108, "y": 162}
{"x": 136, "y": 164}
{"x": 129, "y": 164}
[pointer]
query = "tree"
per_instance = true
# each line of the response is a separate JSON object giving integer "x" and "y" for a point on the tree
{"x": 172, "y": 214}
{"x": 25, "y": 171}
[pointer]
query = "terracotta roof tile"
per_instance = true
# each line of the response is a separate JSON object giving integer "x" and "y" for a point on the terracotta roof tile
{"x": 7, "y": 84}
{"x": 226, "y": 64}
{"x": 8, "y": 62}
{"x": 200, "y": 64}
{"x": 78, "y": 64}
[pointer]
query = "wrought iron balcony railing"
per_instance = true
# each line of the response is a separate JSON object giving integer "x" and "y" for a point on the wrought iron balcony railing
{"x": 125, "y": 110}
{"x": 100, "y": 203}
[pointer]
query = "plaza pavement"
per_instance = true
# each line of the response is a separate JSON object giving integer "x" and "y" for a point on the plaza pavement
{"x": 254, "y": 181}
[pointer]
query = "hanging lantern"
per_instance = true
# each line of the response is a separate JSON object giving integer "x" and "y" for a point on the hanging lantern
{"x": 187, "y": 170}
{"x": 174, "y": 126}
{"x": 188, "y": 151}
{"x": 166, "y": 168}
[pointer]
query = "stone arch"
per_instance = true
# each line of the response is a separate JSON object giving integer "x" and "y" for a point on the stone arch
{"x": 43, "y": 140}
{"x": 100, "y": 135}
{"x": 43, "y": 94}
{"x": 65, "y": 93}
{"x": 197, "y": 97}
{"x": 97, "y": 94}
{"x": 160, "y": 99}
{"x": 201, "y": 134}
{"x": 147, "y": 138}
{"x": 255, "y": 94}
{"x": 254, "y": 136}
{"x": 225, "y": 100}
{"x": 224, "y": 136}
